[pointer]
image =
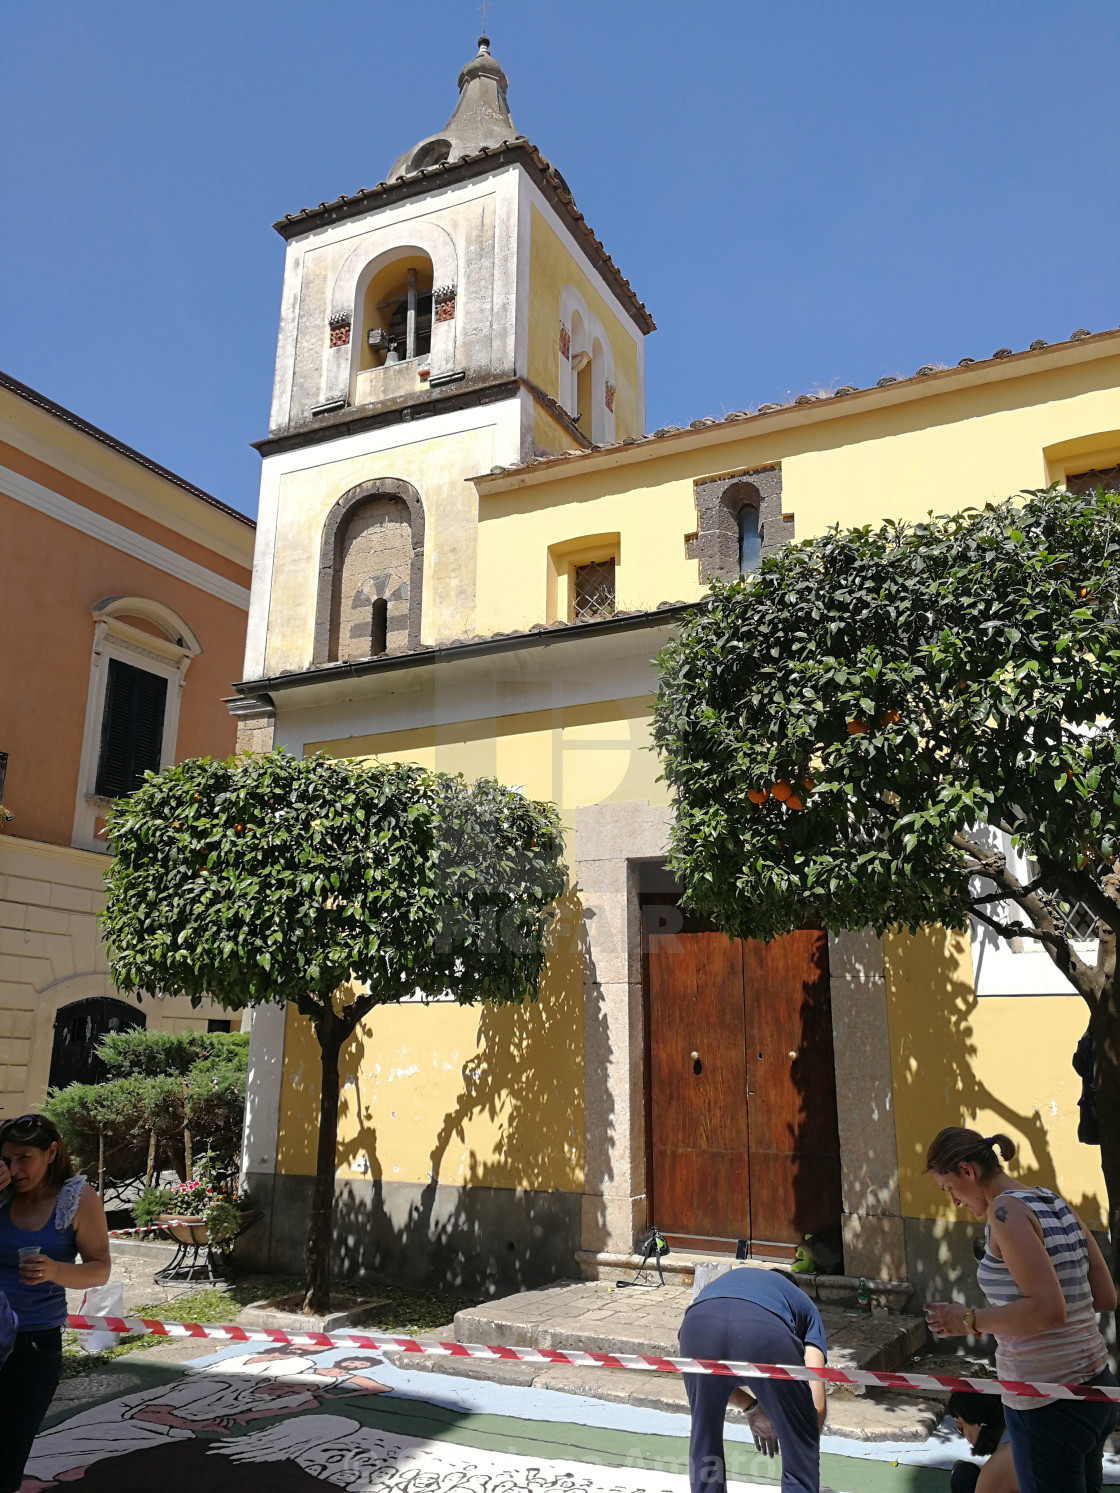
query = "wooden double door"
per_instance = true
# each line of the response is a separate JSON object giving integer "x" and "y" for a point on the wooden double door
{"x": 742, "y": 1134}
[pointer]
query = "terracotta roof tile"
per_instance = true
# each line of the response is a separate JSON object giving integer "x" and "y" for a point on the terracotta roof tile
{"x": 348, "y": 206}
{"x": 927, "y": 370}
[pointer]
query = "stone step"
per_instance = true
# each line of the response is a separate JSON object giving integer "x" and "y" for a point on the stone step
{"x": 157, "y": 1251}
{"x": 680, "y": 1267}
{"x": 597, "y": 1317}
{"x": 877, "y": 1416}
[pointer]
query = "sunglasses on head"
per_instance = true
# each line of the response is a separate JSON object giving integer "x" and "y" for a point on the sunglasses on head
{"x": 23, "y": 1128}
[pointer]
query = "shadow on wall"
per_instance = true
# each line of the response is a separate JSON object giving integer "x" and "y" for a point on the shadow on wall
{"x": 814, "y": 1136}
{"x": 493, "y": 1222}
{"x": 931, "y": 1009}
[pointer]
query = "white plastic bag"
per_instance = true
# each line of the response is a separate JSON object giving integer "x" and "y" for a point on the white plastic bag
{"x": 101, "y": 1301}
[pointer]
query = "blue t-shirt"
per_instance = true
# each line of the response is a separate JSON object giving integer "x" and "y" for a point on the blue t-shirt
{"x": 766, "y": 1288}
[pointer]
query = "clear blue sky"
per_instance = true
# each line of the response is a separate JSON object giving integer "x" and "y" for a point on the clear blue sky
{"x": 807, "y": 193}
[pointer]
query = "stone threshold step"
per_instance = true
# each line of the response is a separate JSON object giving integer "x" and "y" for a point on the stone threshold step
{"x": 680, "y": 1267}
{"x": 595, "y": 1317}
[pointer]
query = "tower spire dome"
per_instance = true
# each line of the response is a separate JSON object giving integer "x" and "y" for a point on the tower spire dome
{"x": 481, "y": 119}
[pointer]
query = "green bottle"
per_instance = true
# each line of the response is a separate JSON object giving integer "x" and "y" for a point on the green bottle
{"x": 863, "y": 1299}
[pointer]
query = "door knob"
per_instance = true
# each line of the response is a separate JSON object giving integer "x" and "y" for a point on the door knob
{"x": 695, "y": 1056}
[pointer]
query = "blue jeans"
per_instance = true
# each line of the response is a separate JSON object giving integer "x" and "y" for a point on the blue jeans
{"x": 730, "y": 1327}
{"x": 1059, "y": 1448}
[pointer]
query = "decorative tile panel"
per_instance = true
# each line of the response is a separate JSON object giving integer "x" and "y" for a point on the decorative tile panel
{"x": 443, "y": 299}
{"x": 608, "y": 397}
{"x": 340, "y": 331}
{"x": 565, "y": 341}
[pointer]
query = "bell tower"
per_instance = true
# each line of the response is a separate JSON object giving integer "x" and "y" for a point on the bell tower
{"x": 456, "y": 316}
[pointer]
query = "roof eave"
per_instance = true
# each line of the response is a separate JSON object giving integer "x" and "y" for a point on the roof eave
{"x": 667, "y": 615}
{"x": 76, "y": 422}
{"x": 520, "y": 152}
{"x": 718, "y": 432}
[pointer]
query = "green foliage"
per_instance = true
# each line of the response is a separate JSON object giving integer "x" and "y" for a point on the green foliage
{"x": 147, "y": 1094}
{"x": 215, "y": 1102}
{"x": 333, "y": 885}
{"x": 125, "y": 1111}
{"x": 282, "y": 878}
{"x": 223, "y": 1223}
{"x": 151, "y": 1202}
{"x": 923, "y": 679}
{"x": 139, "y": 1051}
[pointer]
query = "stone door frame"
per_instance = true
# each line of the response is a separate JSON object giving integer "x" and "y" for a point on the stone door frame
{"x": 611, "y": 841}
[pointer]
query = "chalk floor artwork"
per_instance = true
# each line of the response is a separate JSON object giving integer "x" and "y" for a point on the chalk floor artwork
{"x": 287, "y": 1420}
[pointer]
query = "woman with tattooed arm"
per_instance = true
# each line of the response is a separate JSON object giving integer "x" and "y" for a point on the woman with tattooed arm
{"x": 1045, "y": 1279}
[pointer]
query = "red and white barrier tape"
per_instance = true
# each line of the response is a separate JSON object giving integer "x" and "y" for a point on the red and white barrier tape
{"x": 232, "y": 1333}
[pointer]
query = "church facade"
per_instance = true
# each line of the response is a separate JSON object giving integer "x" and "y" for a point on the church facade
{"x": 469, "y": 552}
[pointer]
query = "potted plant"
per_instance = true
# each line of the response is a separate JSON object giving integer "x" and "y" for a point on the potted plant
{"x": 199, "y": 1212}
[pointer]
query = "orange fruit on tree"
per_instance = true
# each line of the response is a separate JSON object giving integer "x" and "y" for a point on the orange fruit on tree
{"x": 781, "y": 790}
{"x": 891, "y": 717}
{"x": 857, "y": 728}
{"x": 793, "y": 802}
{"x": 758, "y": 795}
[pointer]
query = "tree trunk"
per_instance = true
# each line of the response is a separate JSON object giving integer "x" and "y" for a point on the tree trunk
{"x": 187, "y": 1158}
{"x": 101, "y": 1165}
{"x": 1105, "y": 1027}
{"x": 150, "y": 1176}
{"x": 331, "y": 1033}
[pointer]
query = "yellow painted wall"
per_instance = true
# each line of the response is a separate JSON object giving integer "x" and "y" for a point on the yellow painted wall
{"x": 651, "y": 521}
{"x": 994, "y": 1063}
{"x": 492, "y": 1097}
{"x": 549, "y": 436}
{"x": 577, "y": 754}
{"x": 463, "y": 1091}
{"x": 486, "y": 1096}
{"x": 939, "y": 453}
{"x": 552, "y": 266}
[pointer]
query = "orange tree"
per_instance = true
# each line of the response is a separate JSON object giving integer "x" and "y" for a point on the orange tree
{"x": 847, "y": 730}
{"x": 336, "y": 887}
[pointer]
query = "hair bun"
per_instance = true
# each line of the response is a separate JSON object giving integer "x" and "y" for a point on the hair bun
{"x": 1001, "y": 1143}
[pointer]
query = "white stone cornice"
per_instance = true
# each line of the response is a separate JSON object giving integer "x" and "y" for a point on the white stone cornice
{"x": 97, "y": 526}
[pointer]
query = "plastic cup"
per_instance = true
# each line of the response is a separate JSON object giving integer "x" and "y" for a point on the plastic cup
{"x": 30, "y": 1252}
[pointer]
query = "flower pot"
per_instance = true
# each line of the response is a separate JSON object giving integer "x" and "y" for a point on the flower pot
{"x": 184, "y": 1230}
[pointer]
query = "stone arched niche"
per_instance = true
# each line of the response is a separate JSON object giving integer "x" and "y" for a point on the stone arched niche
{"x": 720, "y": 505}
{"x": 371, "y": 573}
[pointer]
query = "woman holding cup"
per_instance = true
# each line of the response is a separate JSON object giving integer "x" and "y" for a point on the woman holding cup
{"x": 48, "y": 1217}
{"x": 1045, "y": 1279}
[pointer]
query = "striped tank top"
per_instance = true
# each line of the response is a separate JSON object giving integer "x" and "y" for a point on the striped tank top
{"x": 1069, "y": 1354}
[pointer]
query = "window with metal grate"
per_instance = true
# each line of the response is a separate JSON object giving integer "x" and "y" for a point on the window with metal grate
{"x": 594, "y": 591}
{"x": 131, "y": 728}
{"x": 1087, "y": 482}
